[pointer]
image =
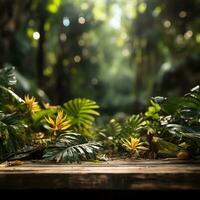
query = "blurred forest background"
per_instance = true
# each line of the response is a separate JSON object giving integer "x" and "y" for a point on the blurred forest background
{"x": 116, "y": 52}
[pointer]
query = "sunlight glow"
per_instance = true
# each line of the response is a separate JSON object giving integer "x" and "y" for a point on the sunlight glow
{"x": 188, "y": 35}
{"x": 53, "y": 6}
{"x": 84, "y": 6}
{"x": 142, "y": 7}
{"x": 124, "y": 36}
{"x": 126, "y": 52}
{"x": 166, "y": 23}
{"x": 115, "y": 21}
{"x": 81, "y": 43}
{"x": 156, "y": 12}
{"x": 66, "y": 21}
{"x": 99, "y": 10}
{"x": 81, "y": 20}
{"x": 131, "y": 10}
{"x": 36, "y": 35}
{"x": 183, "y": 14}
{"x": 77, "y": 59}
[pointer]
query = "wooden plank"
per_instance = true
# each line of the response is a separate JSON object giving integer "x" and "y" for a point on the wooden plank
{"x": 123, "y": 175}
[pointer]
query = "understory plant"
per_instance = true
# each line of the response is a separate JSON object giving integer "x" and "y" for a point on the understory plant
{"x": 61, "y": 133}
{"x": 170, "y": 127}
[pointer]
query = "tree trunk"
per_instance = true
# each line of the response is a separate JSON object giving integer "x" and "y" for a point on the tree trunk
{"x": 12, "y": 15}
{"x": 40, "y": 52}
{"x": 63, "y": 89}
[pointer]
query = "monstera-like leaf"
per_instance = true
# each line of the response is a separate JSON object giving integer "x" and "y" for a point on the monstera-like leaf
{"x": 71, "y": 147}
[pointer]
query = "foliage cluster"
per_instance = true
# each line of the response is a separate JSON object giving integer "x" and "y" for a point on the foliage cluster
{"x": 170, "y": 127}
{"x": 63, "y": 133}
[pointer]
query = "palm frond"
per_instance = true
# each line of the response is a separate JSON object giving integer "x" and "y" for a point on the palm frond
{"x": 132, "y": 126}
{"x": 113, "y": 128}
{"x": 81, "y": 111}
{"x": 71, "y": 147}
{"x": 109, "y": 135}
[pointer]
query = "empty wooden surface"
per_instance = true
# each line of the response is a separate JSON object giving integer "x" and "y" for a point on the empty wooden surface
{"x": 118, "y": 174}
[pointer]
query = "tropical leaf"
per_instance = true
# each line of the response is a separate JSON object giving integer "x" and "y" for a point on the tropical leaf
{"x": 71, "y": 147}
{"x": 7, "y": 77}
{"x": 171, "y": 105}
{"x": 181, "y": 115}
{"x": 26, "y": 152}
{"x": 153, "y": 110}
{"x": 113, "y": 128}
{"x": 40, "y": 115}
{"x": 165, "y": 148}
{"x": 165, "y": 145}
{"x": 12, "y": 134}
{"x": 81, "y": 111}
{"x": 12, "y": 126}
{"x": 133, "y": 144}
{"x": 110, "y": 135}
{"x": 85, "y": 131}
{"x": 132, "y": 126}
{"x": 190, "y": 108}
{"x": 8, "y": 95}
{"x": 184, "y": 131}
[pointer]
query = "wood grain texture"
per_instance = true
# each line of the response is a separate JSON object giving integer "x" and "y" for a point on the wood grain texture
{"x": 111, "y": 175}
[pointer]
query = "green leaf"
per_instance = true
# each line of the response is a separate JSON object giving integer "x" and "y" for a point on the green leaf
{"x": 165, "y": 145}
{"x": 153, "y": 110}
{"x": 71, "y": 147}
{"x": 113, "y": 128}
{"x": 132, "y": 126}
{"x": 12, "y": 134}
{"x": 7, "y": 77}
{"x": 81, "y": 111}
{"x": 9, "y": 95}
